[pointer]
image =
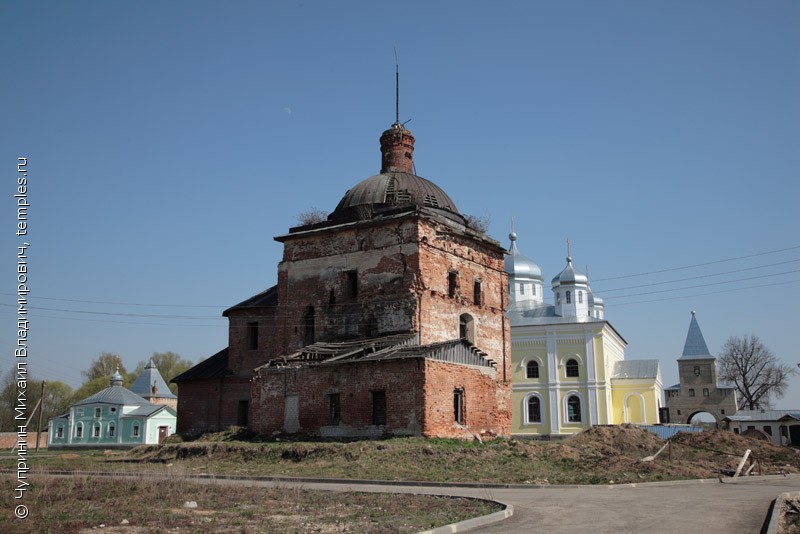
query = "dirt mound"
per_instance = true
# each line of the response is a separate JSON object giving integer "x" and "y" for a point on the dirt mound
{"x": 622, "y": 439}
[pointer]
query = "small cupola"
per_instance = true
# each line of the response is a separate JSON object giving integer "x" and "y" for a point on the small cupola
{"x": 116, "y": 378}
{"x": 397, "y": 150}
{"x": 571, "y": 291}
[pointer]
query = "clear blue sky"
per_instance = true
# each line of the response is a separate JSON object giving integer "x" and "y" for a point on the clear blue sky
{"x": 169, "y": 142}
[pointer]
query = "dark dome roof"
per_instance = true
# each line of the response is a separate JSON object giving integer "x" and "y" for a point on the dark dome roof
{"x": 393, "y": 189}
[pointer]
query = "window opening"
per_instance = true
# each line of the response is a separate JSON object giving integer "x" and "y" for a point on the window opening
{"x": 574, "y": 409}
{"x": 458, "y": 406}
{"x": 352, "y": 284}
{"x": 79, "y": 430}
{"x": 60, "y": 431}
{"x": 580, "y": 297}
{"x": 522, "y": 289}
{"x": 96, "y": 430}
{"x": 768, "y": 429}
{"x": 378, "y": 408}
{"x": 136, "y": 430}
{"x": 252, "y": 336}
{"x": 309, "y": 335}
{"x": 452, "y": 284}
{"x": 568, "y": 296}
{"x": 242, "y": 412}
{"x": 476, "y": 293}
{"x": 111, "y": 430}
{"x": 572, "y": 369}
{"x": 534, "y": 410}
{"x": 466, "y": 328}
{"x": 334, "y": 409}
{"x": 691, "y": 392}
{"x": 532, "y": 370}
{"x": 98, "y": 412}
{"x": 705, "y": 392}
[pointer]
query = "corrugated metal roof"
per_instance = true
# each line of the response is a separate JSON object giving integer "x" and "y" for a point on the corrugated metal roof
{"x": 665, "y": 432}
{"x": 146, "y": 411}
{"x": 151, "y": 379}
{"x": 114, "y": 395}
{"x": 636, "y": 369}
{"x": 763, "y": 415}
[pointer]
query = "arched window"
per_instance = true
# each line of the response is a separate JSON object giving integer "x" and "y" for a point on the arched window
{"x": 572, "y": 369}
{"x": 558, "y": 297}
{"x": 532, "y": 369}
{"x": 533, "y": 289}
{"x": 534, "y": 409}
{"x": 96, "y": 430}
{"x": 79, "y": 430}
{"x": 522, "y": 289}
{"x": 569, "y": 297}
{"x": 135, "y": 432}
{"x": 574, "y": 409}
{"x": 60, "y": 431}
{"x": 466, "y": 327}
{"x": 112, "y": 430}
{"x": 580, "y": 297}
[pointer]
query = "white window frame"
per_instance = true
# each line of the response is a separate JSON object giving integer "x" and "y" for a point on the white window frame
{"x": 111, "y": 430}
{"x": 97, "y": 430}
{"x": 565, "y": 407}
{"x": 525, "y": 411}
{"x": 98, "y": 412}
{"x": 79, "y": 430}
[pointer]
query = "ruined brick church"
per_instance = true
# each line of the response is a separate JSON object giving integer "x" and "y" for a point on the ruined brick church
{"x": 388, "y": 319}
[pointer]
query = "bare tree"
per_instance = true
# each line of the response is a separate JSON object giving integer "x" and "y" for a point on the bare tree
{"x": 757, "y": 373}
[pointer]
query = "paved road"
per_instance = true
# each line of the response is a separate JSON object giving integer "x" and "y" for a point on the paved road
{"x": 707, "y": 507}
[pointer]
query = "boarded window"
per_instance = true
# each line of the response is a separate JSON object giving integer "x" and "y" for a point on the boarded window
{"x": 378, "y": 407}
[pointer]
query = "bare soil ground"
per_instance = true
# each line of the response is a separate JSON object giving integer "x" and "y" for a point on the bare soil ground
{"x": 600, "y": 455}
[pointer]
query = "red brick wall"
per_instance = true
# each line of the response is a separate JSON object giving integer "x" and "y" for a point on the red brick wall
{"x": 400, "y": 379}
{"x": 487, "y": 402}
{"x": 242, "y": 360}
{"x": 210, "y": 405}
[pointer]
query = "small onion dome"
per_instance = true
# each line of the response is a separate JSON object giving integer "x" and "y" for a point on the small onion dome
{"x": 594, "y": 300}
{"x": 116, "y": 378}
{"x": 569, "y": 276}
{"x": 517, "y": 265}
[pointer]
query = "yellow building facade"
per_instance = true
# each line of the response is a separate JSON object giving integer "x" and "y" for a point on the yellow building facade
{"x": 568, "y": 363}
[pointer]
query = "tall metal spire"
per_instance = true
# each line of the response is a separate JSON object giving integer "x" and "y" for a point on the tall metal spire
{"x": 396, "y": 88}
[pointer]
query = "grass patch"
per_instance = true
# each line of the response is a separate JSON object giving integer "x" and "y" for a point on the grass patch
{"x": 156, "y": 504}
